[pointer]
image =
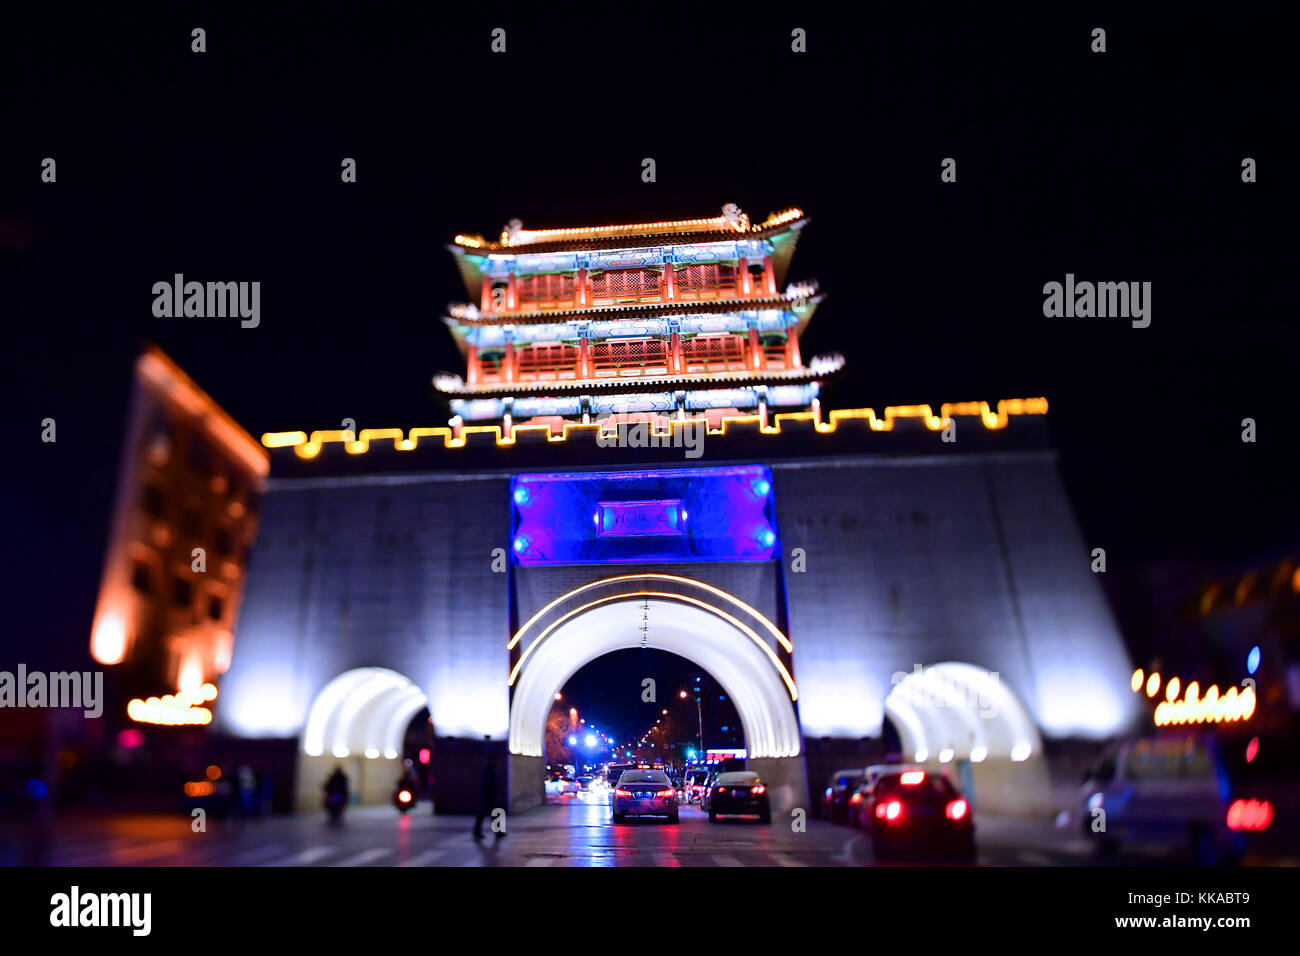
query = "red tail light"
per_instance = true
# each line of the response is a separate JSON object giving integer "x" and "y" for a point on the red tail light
{"x": 911, "y": 778}
{"x": 665, "y": 793}
{"x": 759, "y": 789}
{"x": 1252, "y": 815}
{"x": 956, "y": 809}
{"x": 620, "y": 792}
{"x": 891, "y": 811}
{"x": 720, "y": 790}
{"x": 404, "y": 796}
{"x": 856, "y": 798}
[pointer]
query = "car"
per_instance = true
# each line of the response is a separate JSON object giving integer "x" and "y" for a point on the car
{"x": 1172, "y": 794}
{"x": 584, "y": 782}
{"x": 562, "y": 787}
{"x": 870, "y": 775}
{"x": 642, "y": 793}
{"x": 839, "y": 789}
{"x": 738, "y": 793}
{"x": 916, "y": 814}
{"x": 694, "y": 784}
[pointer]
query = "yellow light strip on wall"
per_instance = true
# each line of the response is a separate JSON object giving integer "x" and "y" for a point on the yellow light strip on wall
{"x": 309, "y": 447}
{"x": 739, "y": 625}
{"x": 676, "y": 578}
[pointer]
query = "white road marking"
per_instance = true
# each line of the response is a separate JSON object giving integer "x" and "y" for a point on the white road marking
{"x": 727, "y": 861}
{"x": 785, "y": 859}
{"x": 541, "y": 861}
{"x": 303, "y": 857}
{"x": 365, "y": 856}
{"x": 425, "y": 858}
{"x": 249, "y": 857}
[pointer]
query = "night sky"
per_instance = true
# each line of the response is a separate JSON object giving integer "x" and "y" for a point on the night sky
{"x": 225, "y": 166}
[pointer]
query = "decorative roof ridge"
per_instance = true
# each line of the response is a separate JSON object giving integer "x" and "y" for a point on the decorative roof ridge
{"x": 732, "y": 221}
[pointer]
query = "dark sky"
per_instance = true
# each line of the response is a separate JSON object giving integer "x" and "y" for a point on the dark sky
{"x": 225, "y": 166}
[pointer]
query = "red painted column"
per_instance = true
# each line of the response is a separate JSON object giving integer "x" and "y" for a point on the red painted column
{"x": 512, "y": 298}
{"x": 584, "y": 358}
{"x": 792, "y": 358}
{"x": 755, "y": 353}
{"x": 584, "y": 295}
{"x": 510, "y": 362}
{"x": 769, "y": 275}
{"x": 670, "y": 282}
{"x": 675, "y": 353}
{"x": 485, "y": 300}
{"x": 743, "y": 284}
{"x": 471, "y": 366}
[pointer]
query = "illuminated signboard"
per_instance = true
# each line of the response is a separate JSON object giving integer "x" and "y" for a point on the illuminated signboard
{"x": 668, "y": 514}
{"x": 662, "y": 516}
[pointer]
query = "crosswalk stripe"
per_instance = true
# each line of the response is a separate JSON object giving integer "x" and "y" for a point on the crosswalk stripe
{"x": 118, "y": 855}
{"x": 303, "y": 857}
{"x": 785, "y": 859}
{"x": 365, "y": 856}
{"x": 249, "y": 857}
{"x": 423, "y": 859}
{"x": 541, "y": 861}
{"x": 727, "y": 861}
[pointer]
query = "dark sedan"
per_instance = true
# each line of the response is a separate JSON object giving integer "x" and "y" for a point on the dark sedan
{"x": 738, "y": 793}
{"x": 915, "y": 814}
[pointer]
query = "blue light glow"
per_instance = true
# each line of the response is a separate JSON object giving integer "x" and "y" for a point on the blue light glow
{"x": 640, "y": 516}
{"x": 36, "y": 789}
{"x": 1252, "y": 660}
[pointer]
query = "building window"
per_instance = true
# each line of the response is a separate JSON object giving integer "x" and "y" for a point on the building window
{"x": 182, "y": 592}
{"x": 142, "y": 577}
{"x": 152, "y": 501}
{"x": 198, "y": 455}
{"x": 550, "y": 361}
{"x": 190, "y": 524}
{"x": 216, "y": 608}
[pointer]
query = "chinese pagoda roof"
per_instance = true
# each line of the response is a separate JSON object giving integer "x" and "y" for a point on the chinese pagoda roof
{"x": 818, "y": 368}
{"x": 733, "y": 223}
{"x": 470, "y": 315}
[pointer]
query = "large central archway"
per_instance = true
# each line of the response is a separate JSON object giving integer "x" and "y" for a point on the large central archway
{"x": 731, "y": 640}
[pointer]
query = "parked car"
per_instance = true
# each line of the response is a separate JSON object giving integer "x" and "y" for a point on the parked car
{"x": 738, "y": 793}
{"x": 915, "y": 815}
{"x": 840, "y": 787}
{"x": 1173, "y": 795}
{"x": 642, "y": 793}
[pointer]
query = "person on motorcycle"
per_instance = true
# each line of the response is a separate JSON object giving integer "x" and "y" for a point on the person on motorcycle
{"x": 336, "y": 792}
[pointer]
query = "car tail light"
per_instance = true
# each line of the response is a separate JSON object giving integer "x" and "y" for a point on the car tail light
{"x": 759, "y": 789}
{"x": 893, "y": 810}
{"x": 911, "y": 778}
{"x": 720, "y": 790}
{"x": 856, "y": 798}
{"x": 665, "y": 793}
{"x": 620, "y": 792}
{"x": 956, "y": 809}
{"x": 1253, "y": 815}
{"x": 829, "y": 791}
{"x": 404, "y": 796}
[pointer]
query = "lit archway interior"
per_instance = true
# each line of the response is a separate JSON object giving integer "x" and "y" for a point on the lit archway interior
{"x": 747, "y": 669}
{"x": 959, "y": 711}
{"x": 362, "y": 712}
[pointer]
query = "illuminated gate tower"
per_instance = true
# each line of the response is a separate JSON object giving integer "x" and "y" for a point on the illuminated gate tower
{"x": 857, "y": 585}
{"x": 651, "y": 322}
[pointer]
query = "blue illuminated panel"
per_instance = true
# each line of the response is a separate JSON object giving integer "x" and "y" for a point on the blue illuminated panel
{"x": 668, "y": 514}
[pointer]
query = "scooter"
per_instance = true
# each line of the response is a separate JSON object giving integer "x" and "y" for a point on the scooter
{"x": 334, "y": 803}
{"x": 403, "y": 799}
